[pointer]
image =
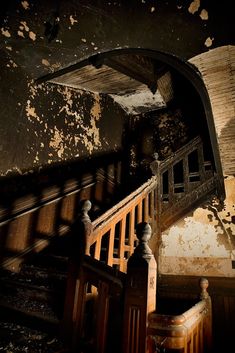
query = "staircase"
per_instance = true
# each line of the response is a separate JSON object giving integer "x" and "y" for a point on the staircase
{"x": 32, "y": 300}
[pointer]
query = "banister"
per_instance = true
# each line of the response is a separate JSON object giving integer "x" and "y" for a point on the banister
{"x": 110, "y": 214}
{"x": 180, "y": 153}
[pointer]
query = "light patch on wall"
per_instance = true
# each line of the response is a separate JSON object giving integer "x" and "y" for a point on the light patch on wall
{"x": 96, "y": 109}
{"x": 30, "y": 112}
{"x": 45, "y": 62}
{"x": 20, "y": 34}
{"x": 12, "y": 64}
{"x": 204, "y": 15}
{"x": 57, "y": 142}
{"x": 24, "y": 26}
{"x": 194, "y": 6}
{"x": 25, "y": 5}
{"x": 72, "y": 20}
{"x": 209, "y": 41}
{"x": 5, "y": 33}
{"x": 32, "y": 35}
{"x": 195, "y": 239}
{"x": 14, "y": 170}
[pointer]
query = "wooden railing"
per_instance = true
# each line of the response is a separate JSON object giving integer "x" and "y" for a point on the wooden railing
{"x": 98, "y": 293}
{"x": 113, "y": 237}
{"x": 190, "y": 332}
{"x": 184, "y": 178}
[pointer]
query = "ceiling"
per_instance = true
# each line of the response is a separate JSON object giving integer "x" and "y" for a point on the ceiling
{"x": 137, "y": 83}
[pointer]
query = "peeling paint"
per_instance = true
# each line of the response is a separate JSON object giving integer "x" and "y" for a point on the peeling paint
{"x": 57, "y": 142}
{"x": 24, "y": 26}
{"x": 194, "y": 6}
{"x": 25, "y": 5}
{"x": 45, "y": 62}
{"x": 30, "y": 111}
{"x": 204, "y": 15}
{"x": 72, "y": 20}
{"x": 209, "y": 41}
{"x": 5, "y": 33}
{"x": 20, "y": 34}
{"x": 32, "y": 35}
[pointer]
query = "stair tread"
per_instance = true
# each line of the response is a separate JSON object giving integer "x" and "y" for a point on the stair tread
{"x": 29, "y": 307}
{"x": 18, "y": 338}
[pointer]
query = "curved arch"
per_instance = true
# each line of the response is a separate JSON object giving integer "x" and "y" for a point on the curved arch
{"x": 188, "y": 70}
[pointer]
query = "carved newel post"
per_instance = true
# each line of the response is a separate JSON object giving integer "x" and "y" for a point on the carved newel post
{"x": 207, "y": 327}
{"x": 140, "y": 292}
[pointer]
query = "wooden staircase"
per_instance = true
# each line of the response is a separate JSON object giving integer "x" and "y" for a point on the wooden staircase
{"x": 35, "y": 296}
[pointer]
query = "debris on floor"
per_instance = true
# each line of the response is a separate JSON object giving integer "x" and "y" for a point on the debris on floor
{"x": 15, "y": 338}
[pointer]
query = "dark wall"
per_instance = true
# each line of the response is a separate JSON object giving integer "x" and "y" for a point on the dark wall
{"x": 44, "y": 124}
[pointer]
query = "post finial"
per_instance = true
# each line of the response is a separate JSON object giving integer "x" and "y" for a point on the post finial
{"x": 143, "y": 233}
{"x": 204, "y": 284}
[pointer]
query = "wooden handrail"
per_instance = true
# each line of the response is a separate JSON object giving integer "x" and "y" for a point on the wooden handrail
{"x": 113, "y": 235}
{"x": 189, "y": 332}
{"x": 138, "y": 206}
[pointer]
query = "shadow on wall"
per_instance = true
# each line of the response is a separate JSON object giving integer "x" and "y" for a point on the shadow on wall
{"x": 39, "y": 206}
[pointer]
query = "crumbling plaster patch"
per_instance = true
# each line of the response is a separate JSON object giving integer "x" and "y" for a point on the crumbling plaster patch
{"x": 203, "y": 241}
{"x": 62, "y": 126}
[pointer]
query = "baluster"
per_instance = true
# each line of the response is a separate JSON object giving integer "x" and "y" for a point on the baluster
{"x": 146, "y": 208}
{"x": 140, "y": 292}
{"x": 139, "y": 211}
{"x": 111, "y": 245}
{"x": 170, "y": 184}
{"x": 122, "y": 244}
{"x": 132, "y": 230}
{"x": 202, "y": 172}
{"x": 207, "y": 324}
{"x": 186, "y": 174}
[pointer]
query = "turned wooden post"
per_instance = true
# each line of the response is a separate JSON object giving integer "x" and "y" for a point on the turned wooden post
{"x": 207, "y": 325}
{"x": 140, "y": 292}
{"x": 79, "y": 242}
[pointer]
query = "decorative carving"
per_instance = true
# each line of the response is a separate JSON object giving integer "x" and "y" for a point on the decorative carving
{"x": 143, "y": 233}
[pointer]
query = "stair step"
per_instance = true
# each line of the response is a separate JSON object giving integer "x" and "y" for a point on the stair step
{"x": 18, "y": 338}
{"x": 34, "y": 280}
{"x": 29, "y": 308}
{"x": 50, "y": 262}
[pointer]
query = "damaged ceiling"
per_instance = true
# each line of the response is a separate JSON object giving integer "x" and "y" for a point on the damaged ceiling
{"x": 137, "y": 83}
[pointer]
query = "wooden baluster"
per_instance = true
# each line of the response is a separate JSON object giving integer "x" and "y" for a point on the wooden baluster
{"x": 146, "y": 208}
{"x": 140, "y": 211}
{"x": 202, "y": 172}
{"x": 186, "y": 174}
{"x": 132, "y": 230}
{"x": 121, "y": 246}
{"x": 140, "y": 292}
{"x": 207, "y": 324}
{"x": 111, "y": 244}
{"x": 98, "y": 247}
{"x": 152, "y": 213}
{"x": 102, "y": 316}
{"x": 170, "y": 185}
{"x": 79, "y": 239}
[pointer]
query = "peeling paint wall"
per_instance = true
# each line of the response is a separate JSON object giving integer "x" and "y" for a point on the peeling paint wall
{"x": 203, "y": 243}
{"x": 40, "y": 125}
{"x": 57, "y": 124}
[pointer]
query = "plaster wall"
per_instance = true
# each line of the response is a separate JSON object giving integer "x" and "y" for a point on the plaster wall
{"x": 203, "y": 243}
{"x": 41, "y": 125}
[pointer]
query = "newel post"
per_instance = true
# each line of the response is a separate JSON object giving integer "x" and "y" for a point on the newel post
{"x": 140, "y": 292}
{"x": 76, "y": 285}
{"x": 207, "y": 325}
